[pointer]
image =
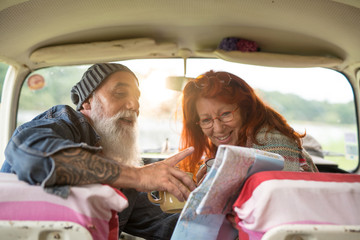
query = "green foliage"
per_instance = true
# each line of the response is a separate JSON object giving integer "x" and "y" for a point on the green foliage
{"x": 293, "y": 107}
{"x": 58, "y": 83}
{"x": 3, "y": 69}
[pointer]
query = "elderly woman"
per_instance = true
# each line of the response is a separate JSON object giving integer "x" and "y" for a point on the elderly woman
{"x": 220, "y": 108}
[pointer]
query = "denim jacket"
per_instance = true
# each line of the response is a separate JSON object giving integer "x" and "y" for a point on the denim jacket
{"x": 30, "y": 147}
{"x": 61, "y": 127}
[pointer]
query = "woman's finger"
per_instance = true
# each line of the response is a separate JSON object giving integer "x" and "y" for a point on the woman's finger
{"x": 201, "y": 174}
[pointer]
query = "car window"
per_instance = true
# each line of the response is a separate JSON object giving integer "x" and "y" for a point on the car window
{"x": 309, "y": 98}
{"x": 3, "y": 69}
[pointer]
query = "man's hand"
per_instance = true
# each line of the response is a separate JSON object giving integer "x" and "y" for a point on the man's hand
{"x": 163, "y": 176}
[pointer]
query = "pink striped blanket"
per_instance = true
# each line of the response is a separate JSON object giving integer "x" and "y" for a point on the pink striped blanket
{"x": 273, "y": 198}
{"x": 92, "y": 206}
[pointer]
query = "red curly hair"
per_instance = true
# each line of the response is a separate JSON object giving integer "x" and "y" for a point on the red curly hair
{"x": 255, "y": 115}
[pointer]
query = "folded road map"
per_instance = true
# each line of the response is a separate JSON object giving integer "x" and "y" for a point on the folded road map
{"x": 205, "y": 210}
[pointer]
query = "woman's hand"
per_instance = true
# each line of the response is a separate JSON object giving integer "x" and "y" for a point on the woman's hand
{"x": 204, "y": 168}
{"x": 201, "y": 174}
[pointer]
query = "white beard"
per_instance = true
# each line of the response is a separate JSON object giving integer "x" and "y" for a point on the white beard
{"x": 119, "y": 141}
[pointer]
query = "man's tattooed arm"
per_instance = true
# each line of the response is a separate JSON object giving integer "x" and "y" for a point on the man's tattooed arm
{"x": 77, "y": 166}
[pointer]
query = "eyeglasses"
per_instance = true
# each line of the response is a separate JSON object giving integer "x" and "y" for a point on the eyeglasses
{"x": 203, "y": 80}
{"x": 224, "y": 117}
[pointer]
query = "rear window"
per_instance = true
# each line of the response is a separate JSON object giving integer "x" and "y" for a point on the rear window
{"x": 309, "y": 98}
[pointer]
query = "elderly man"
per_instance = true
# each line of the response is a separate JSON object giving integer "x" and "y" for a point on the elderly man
{"x": 97, "y": 144}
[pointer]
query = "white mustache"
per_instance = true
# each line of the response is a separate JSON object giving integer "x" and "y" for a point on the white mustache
{"x": 128, "y": 114}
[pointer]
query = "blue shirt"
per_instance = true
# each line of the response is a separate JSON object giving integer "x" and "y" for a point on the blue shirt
{"x": 61, "y": 127}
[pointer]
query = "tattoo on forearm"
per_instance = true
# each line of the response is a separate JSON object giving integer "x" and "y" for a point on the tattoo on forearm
{"x": 77, "y": 166}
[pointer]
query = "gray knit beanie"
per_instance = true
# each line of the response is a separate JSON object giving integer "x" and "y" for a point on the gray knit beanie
{"x": 92, "y": 79}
